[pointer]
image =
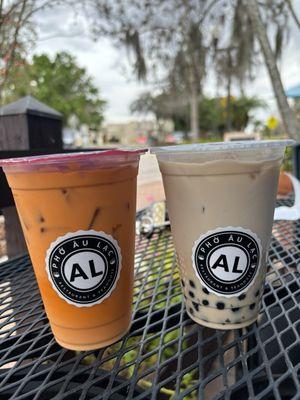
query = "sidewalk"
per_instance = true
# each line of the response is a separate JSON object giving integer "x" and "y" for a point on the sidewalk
{"x": 150, "y": 186}
{"x": 149, "y": 192}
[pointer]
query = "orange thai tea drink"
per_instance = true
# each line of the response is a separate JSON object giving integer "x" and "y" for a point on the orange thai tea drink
{"x": 77, "y": 213}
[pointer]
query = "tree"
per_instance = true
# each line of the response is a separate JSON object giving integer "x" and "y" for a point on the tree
{"x": 164, "y": 106}
{"x": 60, "y": 83}
{"x": 17, "y": 34}
{"x": 211, "y": 111}
{"x": 239, "y": 58}
{"x": 168, "y": 39}
{"x": 288, "y": 118}
{"x": 181, "y": 39}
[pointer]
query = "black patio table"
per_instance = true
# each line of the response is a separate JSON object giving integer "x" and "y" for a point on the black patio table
{"x": 165, "y": 355}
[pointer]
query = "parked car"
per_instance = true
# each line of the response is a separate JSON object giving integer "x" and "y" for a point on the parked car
{"x": 176, "y": 137}
{"x": 142, "y": 139}
{"x": 179, "y": 136}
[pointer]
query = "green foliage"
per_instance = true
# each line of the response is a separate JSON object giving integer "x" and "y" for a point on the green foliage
{"x": 287, "y": 164}
{"x": 60, "y": 83}
{"x": 212, "y": 111}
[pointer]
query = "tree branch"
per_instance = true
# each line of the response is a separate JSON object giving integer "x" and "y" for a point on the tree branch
{"x": 209, "y": 8}
{"x": 292, "y": 11}
{"x": 12, "y": 52}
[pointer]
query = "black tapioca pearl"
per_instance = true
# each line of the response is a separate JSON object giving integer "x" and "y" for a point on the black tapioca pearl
{"x": 227, "y": 320}
{"x": 220, "y": 305}
{"x": 42, "y": 219}
{"x": 192, "y": 283}
{"x": 204, "y": 290}
{"x": 191, "y": 294}
{"x": 256, "y": 293}
{"x": 252, "y": 306}
{"x": 235, "y": 309}
{"x": 182, "y": 282}
{"x": 191, "y": 310}
{"x": 205, "y": 302}
{"x": 242, "y": 296}
{"x": 195, "y": 305}
{"x": 42, "y": 230}
{"x": 64, "y": 191}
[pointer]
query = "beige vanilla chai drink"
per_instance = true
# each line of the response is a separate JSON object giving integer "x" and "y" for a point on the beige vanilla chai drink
{"x": 78, "y": 216}
{"x": 221, "y": 200}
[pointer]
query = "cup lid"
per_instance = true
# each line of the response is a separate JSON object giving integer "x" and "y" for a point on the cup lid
{"x": 88, "y": 157}
{"x": 223, "y": 146}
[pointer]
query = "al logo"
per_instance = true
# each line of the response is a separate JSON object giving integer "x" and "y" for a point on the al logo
{"x": 227, "y": 260}
{"x": 84, "y": 267}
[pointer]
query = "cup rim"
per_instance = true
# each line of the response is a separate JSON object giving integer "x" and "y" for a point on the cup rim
{"x": 244, "y": 145}
{"x": 80, "y": 156}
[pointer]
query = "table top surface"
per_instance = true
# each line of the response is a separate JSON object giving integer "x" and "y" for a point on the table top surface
{"x": 165, "y": 355}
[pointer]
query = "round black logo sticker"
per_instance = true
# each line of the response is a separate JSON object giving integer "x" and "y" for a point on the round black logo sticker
{"x": 227, "y": 260}
{"x": 84, "y": 267}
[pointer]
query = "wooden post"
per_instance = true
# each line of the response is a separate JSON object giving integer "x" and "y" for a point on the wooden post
{"x": 15, "y": 242}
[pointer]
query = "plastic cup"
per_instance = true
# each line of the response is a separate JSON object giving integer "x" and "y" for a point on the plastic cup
{"x": 221, "y": 200}
{"x": 77, "y": 213}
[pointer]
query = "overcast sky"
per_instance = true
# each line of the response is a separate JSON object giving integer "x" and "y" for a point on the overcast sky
{"x": 58, "y": 31}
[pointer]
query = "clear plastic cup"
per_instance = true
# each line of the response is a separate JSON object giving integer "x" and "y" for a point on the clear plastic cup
{"x": 77, "y": 212}
{"x": 221, "y": 200}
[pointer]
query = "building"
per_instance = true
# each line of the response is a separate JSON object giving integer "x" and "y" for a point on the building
{"x": 128, "y": 133}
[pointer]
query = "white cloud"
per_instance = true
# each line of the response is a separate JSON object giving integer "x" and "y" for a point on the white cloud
{"x": 62, "y": 31}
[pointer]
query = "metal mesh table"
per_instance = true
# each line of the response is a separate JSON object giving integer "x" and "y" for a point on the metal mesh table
{"x": 165, "y": 355}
